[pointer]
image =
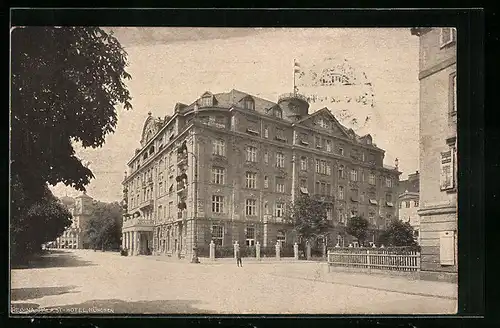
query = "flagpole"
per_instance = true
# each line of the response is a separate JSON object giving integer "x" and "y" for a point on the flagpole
{"x": 294, "y": 75}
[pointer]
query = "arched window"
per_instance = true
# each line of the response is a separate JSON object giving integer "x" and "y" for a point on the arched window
{"x": 249, "y": 104}
{"x": 278, "y": 112}
{"x": 341, "y": 171}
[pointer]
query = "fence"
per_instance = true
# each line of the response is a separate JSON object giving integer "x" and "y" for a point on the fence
{"x": 393, "y": 259}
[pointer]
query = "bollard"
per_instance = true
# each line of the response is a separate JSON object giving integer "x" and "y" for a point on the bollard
{"x": 278, "y": 247}
{"x": 296, "y": 251}
{"x": 257, "y": 251}
{"x": 212, "y": 250}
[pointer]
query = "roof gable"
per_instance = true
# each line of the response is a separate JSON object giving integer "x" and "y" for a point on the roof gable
{"x": 333, "y": 125}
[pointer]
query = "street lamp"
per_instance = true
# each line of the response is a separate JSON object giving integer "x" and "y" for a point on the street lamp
{"x": 180, "y": 150}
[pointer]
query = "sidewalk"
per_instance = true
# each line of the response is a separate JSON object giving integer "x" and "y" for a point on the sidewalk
{"x": 225, "y": 260}
{"x": 398, "y": 284}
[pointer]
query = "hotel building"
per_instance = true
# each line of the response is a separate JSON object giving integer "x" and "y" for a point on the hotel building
{"x": 224, "y": 168}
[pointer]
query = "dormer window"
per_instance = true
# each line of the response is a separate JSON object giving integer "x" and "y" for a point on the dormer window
{"x": 278, "y": 113}
{"x": 206, "y": 101}
{"x": 323, "y": 123}
{"x": 249, "y": 104}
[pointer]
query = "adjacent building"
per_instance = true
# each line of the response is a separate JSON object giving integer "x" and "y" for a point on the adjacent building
{"x": 438, "y": 145}
{"x": 408, "y": 202}
{"x": 79, "y": 208}
{"x": 224, "y": 168}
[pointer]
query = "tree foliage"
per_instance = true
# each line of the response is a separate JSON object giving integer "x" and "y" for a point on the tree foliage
{"x": 65, "y": 85}
{"x": 37, "y": 217}
{"x": 358, "y": 227}
{"x": 308, "y": 215}
{"x": 398, "y": 233}
{"x": 103, "y": 230}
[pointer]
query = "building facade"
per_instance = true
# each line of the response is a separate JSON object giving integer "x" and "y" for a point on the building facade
{"x": 79, "y": 209}
{"x": 408, "y": 202}
{"x": 438, "y": 144}
{"x": 225, "y": 167}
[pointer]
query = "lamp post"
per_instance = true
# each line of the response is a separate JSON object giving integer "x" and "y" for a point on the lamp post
{"x": 182, "y": 149}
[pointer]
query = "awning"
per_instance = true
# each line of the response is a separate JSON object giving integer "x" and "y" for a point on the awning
{"x": 354, "y": 199}
{"x": 304, "y": 190}
{"x": 304, "y": 142}
{"x": 390, "y": 204}
{"x": 373, "y": 202}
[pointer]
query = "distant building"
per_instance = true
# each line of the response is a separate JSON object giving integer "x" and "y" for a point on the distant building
{"x": 225, "y": 167}
{"x": 79, "y": 208}
{"x": 438, "y": 144}
{"x": 408, "y": 202}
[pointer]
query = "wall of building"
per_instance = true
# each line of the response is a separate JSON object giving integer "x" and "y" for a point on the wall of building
{"x": 437, "y": 208}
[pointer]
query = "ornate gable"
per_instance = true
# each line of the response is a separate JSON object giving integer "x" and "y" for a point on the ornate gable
{"x": 149, "y": 130}
{"x": 325, "y": 121}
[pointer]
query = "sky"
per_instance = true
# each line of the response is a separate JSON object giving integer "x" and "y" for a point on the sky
{"x": 170, "y": 65}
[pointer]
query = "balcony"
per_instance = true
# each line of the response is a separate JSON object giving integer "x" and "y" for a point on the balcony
{"x": 276, "y": 219}
{"x": 133, "y": 222}
{"x": 146, "y": 204}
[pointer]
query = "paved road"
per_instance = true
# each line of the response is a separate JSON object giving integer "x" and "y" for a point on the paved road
{"x": 96, "y": 282}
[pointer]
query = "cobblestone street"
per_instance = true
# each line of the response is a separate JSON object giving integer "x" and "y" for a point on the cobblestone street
{"x": 82, "y": 281}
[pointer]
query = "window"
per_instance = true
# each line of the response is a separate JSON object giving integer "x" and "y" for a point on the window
{"x": 279, "y": 210}
{"x": 160, "y": 188}
{"x": 322, "y": 167}
{"x": 318, "y": 142}
{"x": 388, "y": 198}
{"x": 415, "y": 203}
{"x": 341, "y": 172}
{"x": 328, "y": 145}
{"x": 266, "y": 182}
{"x": 251, "y": 180}
{"x": 218, "y": 175}
{"x": 303, "y": 163}
{"x": 388, "y": 182}
{"x": 400, "y": 204}
{"x": 328, "y": 169}
{"x": 323, "y": 123}
{"x": 341, "y": 151}
{"x": 278, "y": 113}
{"x": 250, "y": 236}
{"x": 303, "y": 183}
{"x": 280, "y": 134}
{"x": 453, "y": 93}
{"x": 266, "y": 157}
{"x": 354, "y": 194}
{"x": 249, "y": 104}
{"x": 318, "y": 166}
{"x": 407, "y": 204}
{"x": 217, "y": 204}
{"x": 281, "y": 237}
{"x": 341, "y": 192}
{"x": 280, "y": 185}
{"x": 447, "y": 36}
{"x": 251, "y": 207}
{"x": 206, "y": 101}
{"x": 354, "y": 175}
{"x": 371, "y": 179}
{"x": 218, "y": 147}
{"x": 280, "y": 160}
{"x": 251, "y": 154}
{"x": 266, "y": 132}
{"x": 170, "y": 209}
{"x": 447, "y": 170}
{"x": 218, "y": 234}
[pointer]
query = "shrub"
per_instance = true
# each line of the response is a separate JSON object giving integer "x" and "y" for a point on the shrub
{"x": 224, "y": 251}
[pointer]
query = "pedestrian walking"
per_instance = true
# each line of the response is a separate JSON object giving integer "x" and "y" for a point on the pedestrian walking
{"x": 238, "y": 257}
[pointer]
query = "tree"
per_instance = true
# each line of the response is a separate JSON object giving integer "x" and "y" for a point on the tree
{"x": 398, "y": 233}
{"x": 358, "y": 227}
{"x": 103, "y": 230}
{"x": 308, "y": 215}
{"x": 65, "y": 85}
{"x": 37, "y": 217}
